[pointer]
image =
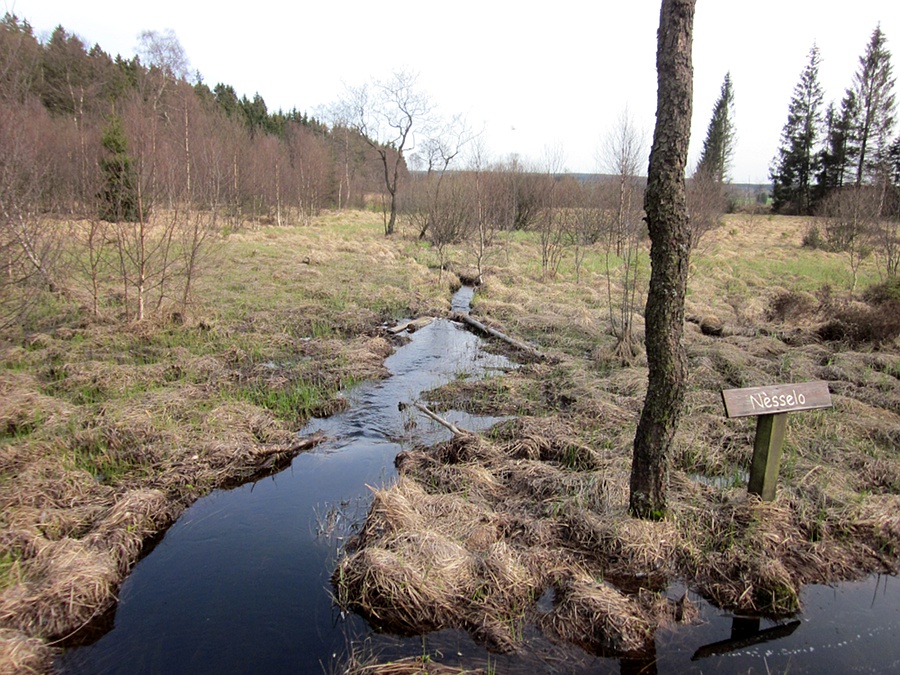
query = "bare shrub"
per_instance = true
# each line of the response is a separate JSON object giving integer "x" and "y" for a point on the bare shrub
{"x": 858, "y": 324}
{"x": 848, "y": 218}
{"x": 622, "y": 158}
{"x": 706, "y": 204}
{"x": 883, "y": 293}
{"x": 452, "y": 216}
{"x": 30, "y": 242}
{"x": 791, "y": 306}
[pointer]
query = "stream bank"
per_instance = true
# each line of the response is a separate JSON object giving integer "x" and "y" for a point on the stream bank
{"x": 240, "y": 582}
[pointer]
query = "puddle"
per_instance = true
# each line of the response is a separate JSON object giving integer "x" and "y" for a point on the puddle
{"x": 240, "y": 583}
{"x": 847, "y": 628}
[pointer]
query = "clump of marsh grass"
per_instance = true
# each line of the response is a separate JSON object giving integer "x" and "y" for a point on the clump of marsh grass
{"x": 474, "y": 531}
{"x": 21, "y": 654}
{"x": 598, "y": 617}
{"x": 411, "y": 665}
{"x": 68, "y": 581}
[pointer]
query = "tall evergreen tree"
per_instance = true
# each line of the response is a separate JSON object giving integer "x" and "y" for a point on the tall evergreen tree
{"x": 873, "y": 88}
{"x": 119, "y": 197}
{"x": 66, "y": 73}
{"x": 718, "y": 146}
{"x": 797, "y": 162}
{"x": 839, "y": 150}
{"x": 227, "y": 99}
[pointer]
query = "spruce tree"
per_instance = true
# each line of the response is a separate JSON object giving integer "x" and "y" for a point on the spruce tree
{"x": 118, "y": 199}
{"x": 718, "y": 146}
{"x": 873, "y": 123}
{"x": 797, "y": 162}
{"x": 838, "y": 155}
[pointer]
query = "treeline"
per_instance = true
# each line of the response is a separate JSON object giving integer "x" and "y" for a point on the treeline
{"x": 122, "y": 168}
{"x": 841, "y": 163}
{"x": 211, "y": 144}
{"x": 846, "y": 144}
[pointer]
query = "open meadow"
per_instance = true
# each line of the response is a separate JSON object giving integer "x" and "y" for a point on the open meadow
{"x": 110, "y": 429}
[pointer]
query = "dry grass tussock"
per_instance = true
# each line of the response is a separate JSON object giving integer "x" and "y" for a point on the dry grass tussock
{"x": 412, "y": 665}
{"x": 21, "y": 654}
{"x": 70, "y": 580}
{"x": 475, "y": 532}
{"x": 108, "y": 430}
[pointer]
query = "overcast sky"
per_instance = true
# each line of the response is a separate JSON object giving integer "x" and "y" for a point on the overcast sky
{"x": 540, "y": 79}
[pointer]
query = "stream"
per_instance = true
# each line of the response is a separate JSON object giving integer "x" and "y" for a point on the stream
{"x": 240, "y": 583}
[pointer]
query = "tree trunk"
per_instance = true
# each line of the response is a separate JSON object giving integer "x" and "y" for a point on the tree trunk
{"x": 667, "y": 220}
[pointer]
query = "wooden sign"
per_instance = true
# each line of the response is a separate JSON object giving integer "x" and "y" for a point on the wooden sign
{"x": 780, "y": 398}
{"x": 771, "y": 406}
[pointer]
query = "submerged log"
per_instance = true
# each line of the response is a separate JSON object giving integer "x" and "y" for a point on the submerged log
{"x": 308, "y": 442}
{"x": 272, "y": 458}
{"x": 517, "y": 344}
{"x": 455, "y": 430}
{"x": 411, "y": 326}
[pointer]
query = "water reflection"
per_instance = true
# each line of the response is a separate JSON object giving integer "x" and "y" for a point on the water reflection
{"x": 745, "y": 632}
{"x": 240, "y": 583}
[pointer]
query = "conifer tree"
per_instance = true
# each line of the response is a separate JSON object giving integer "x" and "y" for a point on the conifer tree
{"x": 118, "y": 200}
{"x": 873, "y": 123}
{"x": 718, "y": 146}
{"x": 839, "y": 151}
{"x": 797, "y": 164}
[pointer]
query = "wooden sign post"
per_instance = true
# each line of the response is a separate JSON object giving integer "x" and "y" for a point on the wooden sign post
{"x": 771, "y": 406}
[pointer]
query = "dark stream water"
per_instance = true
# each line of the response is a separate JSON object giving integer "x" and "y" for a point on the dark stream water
{"x": 240, "y": 583}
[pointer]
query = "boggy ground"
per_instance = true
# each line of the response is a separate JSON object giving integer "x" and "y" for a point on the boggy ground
{"x": 477, "y": 529}
{"x": 110, "y": 430}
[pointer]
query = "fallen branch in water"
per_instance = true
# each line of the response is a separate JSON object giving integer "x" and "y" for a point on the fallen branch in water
{"x": 455, "y": 430}
{"x": 411, "y": 326}
{"x": 275, "y": 455}
{"x": 308, "y": 442}
{"x": 521, "y": 346}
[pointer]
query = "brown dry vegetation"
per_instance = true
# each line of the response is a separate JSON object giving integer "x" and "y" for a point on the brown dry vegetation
{"x": 110, "y": 430}
{"x": 478, "y": 528}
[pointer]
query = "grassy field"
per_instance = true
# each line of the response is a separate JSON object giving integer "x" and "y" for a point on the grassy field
{"x": 109, "y": 430}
